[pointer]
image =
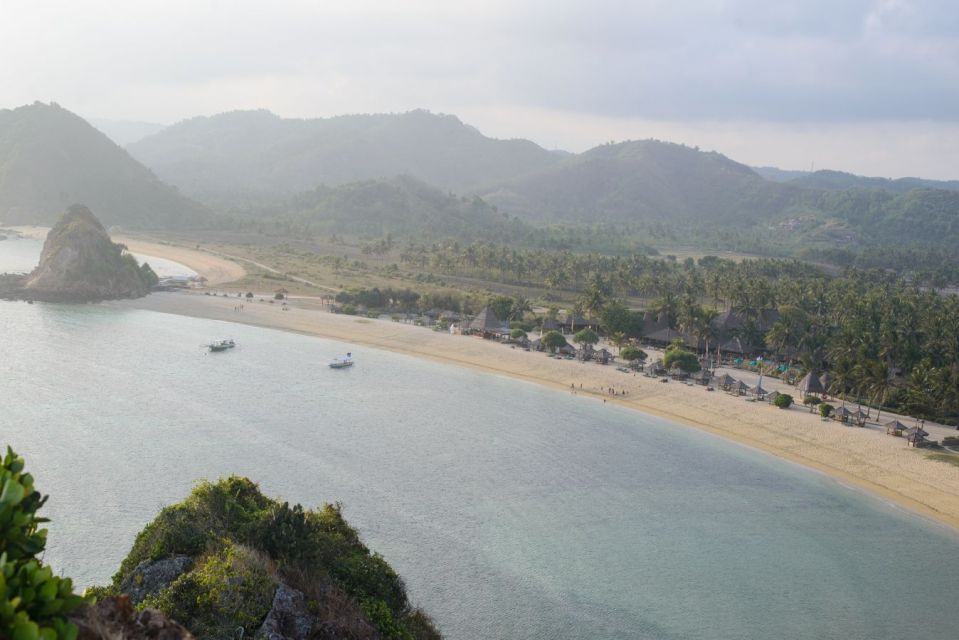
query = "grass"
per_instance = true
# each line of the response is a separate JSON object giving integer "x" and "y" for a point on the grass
{"x": 948, "y": 458}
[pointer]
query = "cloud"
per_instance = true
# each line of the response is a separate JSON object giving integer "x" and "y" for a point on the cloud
{"x": 796, "y": 63}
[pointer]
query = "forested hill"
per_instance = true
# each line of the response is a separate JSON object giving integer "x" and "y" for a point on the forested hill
{"x": 51, "y": 158}
{"x": 838, "y": 180}
{"x": 257, "y": 155}
{"x": 401, "y": 206}
{"x": 644, "y": 180}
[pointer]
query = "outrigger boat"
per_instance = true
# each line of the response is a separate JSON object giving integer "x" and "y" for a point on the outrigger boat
{"x": 342, "y": 363}
{"x": 221, "y": 345}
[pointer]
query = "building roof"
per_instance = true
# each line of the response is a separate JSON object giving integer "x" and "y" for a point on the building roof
{"x": 895, "y": 425}
{"x": 810, "y": 384}
{"x": 487, "y": 321}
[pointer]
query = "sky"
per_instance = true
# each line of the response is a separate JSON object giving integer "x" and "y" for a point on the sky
{"x": 868, "y": 86}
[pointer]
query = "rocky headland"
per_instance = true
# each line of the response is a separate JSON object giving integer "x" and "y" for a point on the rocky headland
{"x": 80, "y": 263}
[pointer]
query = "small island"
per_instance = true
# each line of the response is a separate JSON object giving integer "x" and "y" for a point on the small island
{"x": 79, "y": 263}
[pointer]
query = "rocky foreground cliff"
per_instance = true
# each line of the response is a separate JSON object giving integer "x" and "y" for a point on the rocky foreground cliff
{"x": 79, "y": 263}
{"x": 227, "y": 562}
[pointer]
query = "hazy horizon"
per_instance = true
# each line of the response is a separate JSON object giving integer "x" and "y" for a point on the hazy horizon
{"x": 868, "y": 87}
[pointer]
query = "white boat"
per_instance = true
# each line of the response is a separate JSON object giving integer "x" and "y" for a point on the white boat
{"x": 342, "y": 362}
{"x": 221, "y": 345}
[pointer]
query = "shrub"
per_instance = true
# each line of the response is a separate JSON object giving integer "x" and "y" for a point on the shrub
{"x": 553, "y": 340}
{"x": 783, "y": 401}
{"x": 811, "y": 401}
{"x": 825, "y": 409}
{"x": 677, "y": 355}
{"x": 33, "y": 601}
{"x": 632, "y": 353}
{"x": 517, "y": 334}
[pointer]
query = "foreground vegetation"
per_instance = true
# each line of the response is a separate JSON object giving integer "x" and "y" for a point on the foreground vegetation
{"x": 242, "y": 545}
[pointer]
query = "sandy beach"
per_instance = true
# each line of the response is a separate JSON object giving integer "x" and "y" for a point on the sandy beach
{"x": 877, "y": 463}
{"x": 872, "y": 461}
{"x": 215, "y": 269}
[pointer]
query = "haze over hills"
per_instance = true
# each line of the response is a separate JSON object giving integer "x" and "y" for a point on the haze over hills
{"x": 125, "y": 132}
{"x": 838, "y": 180}
{"x": 243, "y": 155}
{"x": 402, "y": 206}
{"x": 51, "y": 159}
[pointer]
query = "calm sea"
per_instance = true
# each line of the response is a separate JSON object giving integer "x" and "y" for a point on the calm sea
{"x": 512, "y": 511}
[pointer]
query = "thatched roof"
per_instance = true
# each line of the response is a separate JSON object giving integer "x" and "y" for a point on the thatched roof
{"x": 860, "y": 414}
{"x": 487, "y": 321}
{"x": 825, "y": 380}
{"x": 916, "y": 432}
{"x": 740, "y": 386}
{"x": 757, "y": 391}
{"x": 895, "y": 425}
{"x": 726, "y": 380}
{"x": 842, "y": 412}
{"x": 810, "y": 384}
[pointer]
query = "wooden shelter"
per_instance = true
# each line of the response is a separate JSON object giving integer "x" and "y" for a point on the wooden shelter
{"x": 487, "y": 324}
{"x": 842, "y": 414}
{"x": 860, "y": 417}
{"x": 725, "y": 381}
{"x": 916, "y": 437}
{"x": 758, "y": 392}
{"x": 739, "y": 388}
{"x": 810, "y": 385}
{"x": 896, "y": 428}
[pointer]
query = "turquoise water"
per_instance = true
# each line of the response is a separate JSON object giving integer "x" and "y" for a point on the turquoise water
{"x": 512, "y": 511}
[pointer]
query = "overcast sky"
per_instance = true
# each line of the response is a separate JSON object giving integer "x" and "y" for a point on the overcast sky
{"x": 870, "y": 86}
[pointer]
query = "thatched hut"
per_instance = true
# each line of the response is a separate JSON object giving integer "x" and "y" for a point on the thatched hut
{"x": 739, "y": 388}
{"x": 896, "y": 428}
{"x": 725, "y": 381}
{"x": 842, "y": 414}
{"x": 916, "y": 437}
{"x": 859, "y": 417}
{"x": 810, "y": 385}
{"x": 757, "y": 392}
{"x": 487, "y": 324}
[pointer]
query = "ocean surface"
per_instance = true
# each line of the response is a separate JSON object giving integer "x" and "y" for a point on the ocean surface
{"x": 512, "y": 511}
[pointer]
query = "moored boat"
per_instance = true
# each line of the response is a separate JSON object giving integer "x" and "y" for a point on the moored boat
{"x": 221, "y": 345}
{"x": 342, "y": 362}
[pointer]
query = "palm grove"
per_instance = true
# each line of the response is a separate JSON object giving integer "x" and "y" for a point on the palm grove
{"x": 882, "y": 339}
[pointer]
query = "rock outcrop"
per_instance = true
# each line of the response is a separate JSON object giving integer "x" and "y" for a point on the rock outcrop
{"x": 80, "y": 263}
{"x": 151, "y": 576}
{"x": 115, "y": 618}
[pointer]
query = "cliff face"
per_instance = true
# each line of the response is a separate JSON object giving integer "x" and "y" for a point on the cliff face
{"x": 79, "y": 262}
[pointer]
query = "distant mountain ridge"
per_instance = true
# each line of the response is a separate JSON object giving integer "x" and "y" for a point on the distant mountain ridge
{"x": 259, "y": 155}
{"x": 51, "y": 158}
{"x": 839, "y": 180}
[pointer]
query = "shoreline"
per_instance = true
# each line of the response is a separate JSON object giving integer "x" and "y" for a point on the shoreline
{"x": 880, "y": 465}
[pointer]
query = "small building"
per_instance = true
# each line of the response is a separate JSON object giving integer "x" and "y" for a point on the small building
{"x": 842, "y": 414}
{"x": 488, "y": 325}
{"x": 895, "y": 428}
{"x": 916, "y": 437}
{"x": 603, "y": 356}
{"x": 725, "y": 381}
{"x": 810, "y": 385}
{"x": 757, "y": 392}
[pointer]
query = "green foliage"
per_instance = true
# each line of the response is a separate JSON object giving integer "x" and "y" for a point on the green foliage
{"x": 553, "y": 340}
{"x": 237, "y": 532}
{"x": 632, "y": 353}
{"x": 677, "y": 355}
{"x": 517, "y": 334}
{"x": 783, "y": 401}
{"x": 825, "y": 409}
{"x": 616, "y": 318}
{"x": 811, "y": 401}
{"x": 586, "y": 336}
{"x": 230, "y": 588}
{"x": 33, "y": 601}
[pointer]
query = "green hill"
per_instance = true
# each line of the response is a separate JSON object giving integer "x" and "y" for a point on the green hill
{"x": 840, "y": 181}
{"x": 401, "y": 206}
{"x": 241, "y": 156}
{"x": 51, "y": 159}
{"x": 644, "y": 180}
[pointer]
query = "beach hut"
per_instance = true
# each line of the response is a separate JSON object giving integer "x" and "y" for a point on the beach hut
{"x": 842, "y": 414}
{"x": 739, "y": 388}
{"x": 772, "y": 397}
{"x": 488, "y": 325}
{"x": 603, "y": 356}
{"x": 896, "y": 428}
{"x": 757, "y": 392}
{"x": 860, "y": 417}
{"x": 916, "y": 437}
{"x": 725, "y": 381}
{"x": 701, "y": 377}
{"x": 810, "y": 385}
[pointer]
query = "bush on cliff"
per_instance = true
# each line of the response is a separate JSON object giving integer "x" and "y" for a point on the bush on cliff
{"x": 33, "y": 601}
{"x": 240, "y": 537}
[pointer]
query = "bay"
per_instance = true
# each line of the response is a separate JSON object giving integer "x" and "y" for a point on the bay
{"x": 512, "y": 511}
